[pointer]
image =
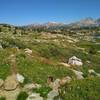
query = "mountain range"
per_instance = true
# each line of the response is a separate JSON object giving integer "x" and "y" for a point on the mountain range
{"x": 87, "y": 22}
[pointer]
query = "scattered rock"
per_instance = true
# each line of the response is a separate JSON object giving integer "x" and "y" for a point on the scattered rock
{"x": 92, "y": 72}
{"x": 28, "y": 51}
{"x": 1, "y": 82}
{"x": 78, "y": 74}
{"x": 10, "y": 83}
{"x": 55, "y": 85}
{"x": 38, "y": 86}
{"x": 52, "y": 94}
{"x": 75, "y": 61}
{"x": 88, "y": 62}
{"x": 29, "y": 87}
{"x": 98, "y": 74}
{"x": 34, "y": 96}
{"x": 20, "y": 78}
{"x": 98, "y": 51}
{"x": 65, "y": 80}
{"x": 12, "y": 56}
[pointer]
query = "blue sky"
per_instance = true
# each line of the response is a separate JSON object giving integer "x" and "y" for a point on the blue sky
{"x": 20, "y": 12}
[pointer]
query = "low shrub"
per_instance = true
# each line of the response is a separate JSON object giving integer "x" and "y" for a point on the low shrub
{"x": 43, "y": 91}
{"x": 22, "y": 96}
{"x": 2, "y": 98}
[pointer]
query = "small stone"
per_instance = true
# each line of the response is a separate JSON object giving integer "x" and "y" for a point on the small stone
{"x": 91, "y": 71}
{"x": 98, "y": 75}
{"x": 30, "y": 86}
{"x": 52, "y": 94}
{"x": 78, "y": 74}
{"x": 28, "y": 51}
{"x": 55, "y": 85}
{"x": 34, "y": 96}
{"x": 88, "y": 62}
{"x": 20, "y": 78}
{"x": 38, "y": 86}
{"x": 65, "y": 80}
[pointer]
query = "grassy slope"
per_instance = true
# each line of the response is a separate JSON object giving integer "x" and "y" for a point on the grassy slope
{"x": 87, "y": 89}
{"x": 37, "y": 70}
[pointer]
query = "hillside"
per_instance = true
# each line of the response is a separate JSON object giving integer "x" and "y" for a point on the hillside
{"x": 39, "y": 53}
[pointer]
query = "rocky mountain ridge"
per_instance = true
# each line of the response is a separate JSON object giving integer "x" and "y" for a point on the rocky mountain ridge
{"x": 87, "y": 22}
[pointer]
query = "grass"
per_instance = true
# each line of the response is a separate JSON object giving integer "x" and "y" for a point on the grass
{"x": 4, "y": 71}
{"x": 87, "y": 89}
{"x": 43, "y": 91}
{"x": 33, "y": 69}
{"x": 37, "y": 71}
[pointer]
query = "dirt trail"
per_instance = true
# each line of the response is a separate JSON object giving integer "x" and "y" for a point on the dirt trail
{"x": 10, "y": 95}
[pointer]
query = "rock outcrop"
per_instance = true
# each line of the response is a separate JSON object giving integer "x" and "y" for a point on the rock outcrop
{"x": 11, "y": 83}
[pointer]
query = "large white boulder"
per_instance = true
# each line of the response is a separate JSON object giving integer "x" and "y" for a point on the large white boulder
{"x": 34, "y": 96}
{"x": 75, "y": 61}
{"x": 20, "y": 78}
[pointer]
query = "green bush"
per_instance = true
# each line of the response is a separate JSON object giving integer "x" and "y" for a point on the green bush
{"x": 92, "y": 50}
{"x": 22, "y": 96}
{"x": 43, "y": 91}
{"x": 2, "y": 98}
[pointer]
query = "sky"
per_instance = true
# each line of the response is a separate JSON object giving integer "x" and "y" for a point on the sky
{"x": 22, "y": 12}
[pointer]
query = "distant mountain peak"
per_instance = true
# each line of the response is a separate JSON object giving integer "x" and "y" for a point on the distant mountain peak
{"x": 85, "y": 22}
{"x": 88, "y": 18}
